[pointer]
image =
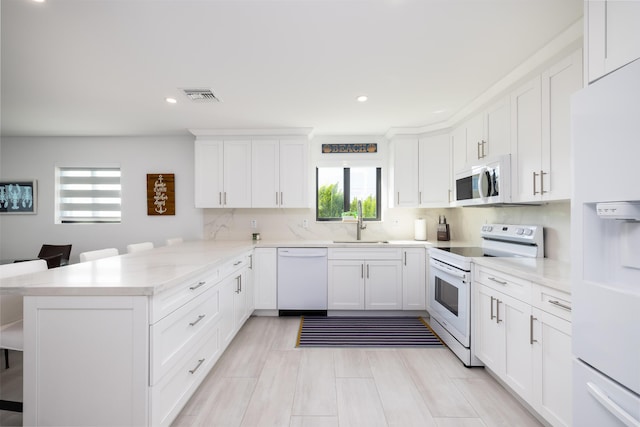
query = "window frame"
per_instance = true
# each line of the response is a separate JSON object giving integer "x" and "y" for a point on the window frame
{"x": 346, "y": 171}
{"x": 89, "y": 219}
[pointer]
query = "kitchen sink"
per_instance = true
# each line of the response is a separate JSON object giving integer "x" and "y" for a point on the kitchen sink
{"x": 361, "y": 241}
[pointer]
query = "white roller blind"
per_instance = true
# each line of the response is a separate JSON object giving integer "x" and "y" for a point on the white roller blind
{"x": 89, "y": 194}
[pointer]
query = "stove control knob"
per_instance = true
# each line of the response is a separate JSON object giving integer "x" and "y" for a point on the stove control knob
{"x": 528, "y": 232}
{"x": 487, "y": 228}
{"x": 519, "y": 231}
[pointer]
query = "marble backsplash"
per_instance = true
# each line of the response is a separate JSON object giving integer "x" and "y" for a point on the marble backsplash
{"x": 397, "y": 224}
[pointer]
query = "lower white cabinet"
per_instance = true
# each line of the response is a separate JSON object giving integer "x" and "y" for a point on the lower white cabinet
{"x": 359, "y": 283}
{"x": 414, "y": 286}
{"x": 130, "y": 360}
{"x": 523, "y": 334}
{"x": 265, "y": 278}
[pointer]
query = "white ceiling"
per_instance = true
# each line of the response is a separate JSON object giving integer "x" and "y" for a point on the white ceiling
{"x": 104, "y": 67}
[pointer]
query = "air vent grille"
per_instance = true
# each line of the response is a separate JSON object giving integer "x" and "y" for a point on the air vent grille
{"x": 201, "y": 95}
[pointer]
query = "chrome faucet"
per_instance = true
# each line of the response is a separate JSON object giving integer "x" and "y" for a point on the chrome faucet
{"x": 360, "y": 224}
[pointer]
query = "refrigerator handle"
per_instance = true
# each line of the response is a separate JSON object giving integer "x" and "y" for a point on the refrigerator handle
{"x": 611, "y": 406}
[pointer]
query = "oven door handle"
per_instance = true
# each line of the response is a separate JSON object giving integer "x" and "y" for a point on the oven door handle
{"x": 449, "y": 270}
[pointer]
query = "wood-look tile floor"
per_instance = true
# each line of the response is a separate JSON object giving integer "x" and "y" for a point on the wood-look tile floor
{"x": 263, "y": 380}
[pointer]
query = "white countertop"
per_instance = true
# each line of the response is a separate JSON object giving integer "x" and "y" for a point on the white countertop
{"x": 548, "y": 272}
{"x": 364, "y": 243}
{"x": 142, "y": 273}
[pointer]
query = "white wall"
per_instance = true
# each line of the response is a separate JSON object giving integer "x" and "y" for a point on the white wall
{"x": 37, "y": 157}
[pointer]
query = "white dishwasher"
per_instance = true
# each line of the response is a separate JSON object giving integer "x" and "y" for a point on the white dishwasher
{"x": 302, "y": 280}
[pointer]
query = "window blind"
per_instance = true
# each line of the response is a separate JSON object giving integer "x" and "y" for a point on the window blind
{"x": 89, "y": 195}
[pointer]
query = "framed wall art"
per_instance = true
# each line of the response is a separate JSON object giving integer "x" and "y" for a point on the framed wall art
{"x": 161, "y": 194}
{"x": 18, "y": 196}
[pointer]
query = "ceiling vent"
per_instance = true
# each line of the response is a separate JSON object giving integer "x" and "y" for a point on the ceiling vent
{"x": 201, "y": 95}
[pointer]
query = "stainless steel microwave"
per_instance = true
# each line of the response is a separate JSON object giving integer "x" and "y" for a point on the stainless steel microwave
{"x": 487, "y": 183}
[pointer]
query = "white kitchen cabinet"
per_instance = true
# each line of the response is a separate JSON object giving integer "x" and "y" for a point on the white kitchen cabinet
{"x": 414, "y": 289}
{"x": 542, "y": 148}
{"x": 552, "y": 367}
{"x": 280, "y": 175}
{"x": 485, "y": 134}
{"x": 434, "y": 171}
{"x": 526, "y": 132}
{"x": 405, "y": 163}
{"x": 421, "y": 172}
{"x": 222, "y": 174}
{"x": 265, "y": 278}
{"x": 502, "y": 338}
{"x": 458, "y": 151}
{"x": 365, "y": 279}
{"x": 612, "y": 35}
{"x": 523, "y": 334}
{"x": 383, "y": 285}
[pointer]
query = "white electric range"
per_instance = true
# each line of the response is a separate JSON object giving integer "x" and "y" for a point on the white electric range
{"x": 450, "y": 278}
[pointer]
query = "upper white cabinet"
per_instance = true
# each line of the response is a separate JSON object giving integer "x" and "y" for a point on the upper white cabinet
{"x": 245, "y": 173}
{"x": 612, "y": 35}
{"x": 434, "y": 171}
{"x": 541, "y": 132}
{"x": 405, "y": 163}
{"x": 483, "y": 135}
{"x": 279, "y": 178}
{"x": 222, "y": 174}
{"x": 421, "y": 171}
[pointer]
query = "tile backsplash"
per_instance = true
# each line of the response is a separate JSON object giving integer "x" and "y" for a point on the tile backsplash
{"x": 397, "y": 224}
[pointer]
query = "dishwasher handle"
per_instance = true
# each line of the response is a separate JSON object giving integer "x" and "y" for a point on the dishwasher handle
{"x": 288, "y": 253}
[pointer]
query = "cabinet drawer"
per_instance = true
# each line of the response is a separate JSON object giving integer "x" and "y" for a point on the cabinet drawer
{"x": 365, "y": 253}
{"x": 174, "y": 335}
{"x": 234, "y": 265}
{"x": 510, "y": 285}
{"x": 166, "y": 302}
{"x": 170, "y": 395}
{"x": 552, "y": 301}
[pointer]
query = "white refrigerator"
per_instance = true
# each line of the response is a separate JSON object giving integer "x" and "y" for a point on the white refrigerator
{"x": 605, "y": 215}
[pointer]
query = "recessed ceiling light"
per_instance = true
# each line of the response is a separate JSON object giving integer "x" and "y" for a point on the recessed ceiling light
{"x": 39, "y": 1}
{"x": 362, "y": 98}
{"x": 171, "y": 100}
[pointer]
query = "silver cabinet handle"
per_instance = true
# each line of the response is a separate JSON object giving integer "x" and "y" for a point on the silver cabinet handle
{"x": 449, "y": 195}
{"x": 193, "y": 371}
{"x": 531, "y": 319}
{"x": 483, "y": 154}
{"x": 237, "y": 263}
{"x": 420, "y": 197}
{"x": 281, "y": 199}
{"x": 250, "y": 262}
{"x": 398, "y": 197}
{"x": 225, "y": 198}
{"x": 492, "y": 315}
{"x": 405, "y": 257}
{"x": 195, "y": 322}
{"x": 493, "y": 279}
{"x": 362, "y": 271}
{"x": 220, "y": 198}
{"x": 367, "y": 271}
{"x": 276, "y": 198}
{"x": 534, "y": 183}
{"x": 559, "y": 304}
{"x": 193, "y": 288}
{"x": 478, "y": 150}
{"x": 498, "y": 320}
{"x": 240, "y": 282}
{"x": 542, "y": 174}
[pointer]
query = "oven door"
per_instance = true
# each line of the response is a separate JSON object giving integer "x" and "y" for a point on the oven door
{"x": 449, "y": 299}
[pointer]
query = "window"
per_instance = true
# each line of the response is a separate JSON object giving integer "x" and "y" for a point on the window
{"x": 88, "y": 195}
{"x": 339, "y": 189}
